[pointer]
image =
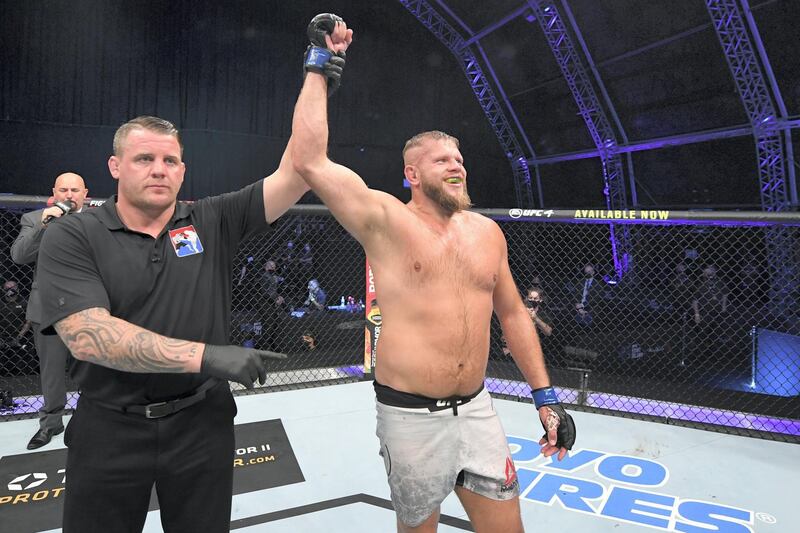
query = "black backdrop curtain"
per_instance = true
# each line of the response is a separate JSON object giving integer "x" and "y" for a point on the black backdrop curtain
{"x": 227, "y": 74}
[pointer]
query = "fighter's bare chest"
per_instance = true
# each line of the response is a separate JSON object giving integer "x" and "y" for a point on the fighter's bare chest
{"x": 463, "y": 260}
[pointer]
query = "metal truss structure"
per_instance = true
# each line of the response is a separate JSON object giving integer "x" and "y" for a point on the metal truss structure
{"x": 594, "y": 116}
{"x": 768, "y": 120}
{"x": 483, "y": 92}
{"x": 730, "y": 23}
{"x": 742, "y": 59}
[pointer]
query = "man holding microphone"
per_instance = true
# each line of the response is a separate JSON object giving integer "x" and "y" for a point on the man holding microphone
{"x": 69, "y": 192}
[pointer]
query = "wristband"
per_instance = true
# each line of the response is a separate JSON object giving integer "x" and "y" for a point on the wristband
{"x": 544, "y": 396}
{"x": 316, "y": 58}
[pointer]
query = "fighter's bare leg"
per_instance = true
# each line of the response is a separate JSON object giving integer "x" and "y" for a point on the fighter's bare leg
{"x": 488, "y": 516}
{"x": 428, "y": 526}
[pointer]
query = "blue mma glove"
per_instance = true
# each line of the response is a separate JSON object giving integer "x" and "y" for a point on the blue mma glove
{"x": 323, "y": 61}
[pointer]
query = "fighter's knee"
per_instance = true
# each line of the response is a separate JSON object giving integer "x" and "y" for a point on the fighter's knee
{"x": 418, "y": 524}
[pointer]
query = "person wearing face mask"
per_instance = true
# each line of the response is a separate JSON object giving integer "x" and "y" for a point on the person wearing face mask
{"x": 69, "y": 193}
{"x": 536, "y": 305}
{"x": 534, "y": 302}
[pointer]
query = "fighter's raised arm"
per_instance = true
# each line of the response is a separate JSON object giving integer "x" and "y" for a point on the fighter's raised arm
{"x": 283, "y": 188}
{"x": 353, "y": 204}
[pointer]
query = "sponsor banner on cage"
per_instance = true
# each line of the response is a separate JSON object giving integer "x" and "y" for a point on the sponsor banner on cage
{"x": 621, "y": 488}
{"x": 372, "y": 329}
{"x": 623, "y": 214}
{"x": 591, "y": 214}
{"x": 32, "y": 485}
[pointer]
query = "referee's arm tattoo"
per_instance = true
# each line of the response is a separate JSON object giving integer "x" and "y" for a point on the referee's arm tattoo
{"x": 94, "y": 336}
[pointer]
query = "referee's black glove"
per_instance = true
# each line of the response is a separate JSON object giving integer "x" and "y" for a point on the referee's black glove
{"x": 234, "y": 363}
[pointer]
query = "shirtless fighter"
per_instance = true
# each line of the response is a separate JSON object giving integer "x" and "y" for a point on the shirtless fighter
{"x": 436, "y": 423}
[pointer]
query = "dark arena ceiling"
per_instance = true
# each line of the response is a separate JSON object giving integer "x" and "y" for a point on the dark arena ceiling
{"x": 616, "y": 103}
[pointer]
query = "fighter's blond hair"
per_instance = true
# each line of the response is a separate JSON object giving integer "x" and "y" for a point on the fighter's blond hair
{"x": 154, "y": 124}
{"x": 419, "y": 138}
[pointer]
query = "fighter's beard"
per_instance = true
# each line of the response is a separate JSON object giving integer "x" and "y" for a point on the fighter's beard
{"x": 450, "y": 203}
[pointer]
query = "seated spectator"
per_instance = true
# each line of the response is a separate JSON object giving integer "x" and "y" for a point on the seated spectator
{"x": 316, "y": 296}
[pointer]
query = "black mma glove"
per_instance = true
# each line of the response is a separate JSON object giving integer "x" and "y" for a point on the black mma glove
{"x": 318, "y": 57}
{"x": 565, "y": 434}
{"x": 334, "y": 69}
{"x": 320, "y": 26}
{"x": 234, "y": 363}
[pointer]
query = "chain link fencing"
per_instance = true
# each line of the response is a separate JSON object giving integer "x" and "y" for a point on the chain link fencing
{"x": 699, "y": 327}
{"x": 695, "y": 323}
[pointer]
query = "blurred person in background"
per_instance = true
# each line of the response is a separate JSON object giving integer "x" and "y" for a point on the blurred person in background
{"x": 69, "y": 193}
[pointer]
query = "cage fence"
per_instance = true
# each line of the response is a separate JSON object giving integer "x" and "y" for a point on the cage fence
{"x": 685, "y": 318}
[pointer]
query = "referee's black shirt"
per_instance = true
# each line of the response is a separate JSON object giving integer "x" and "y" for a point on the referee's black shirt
{"x": 178, "y": 285}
